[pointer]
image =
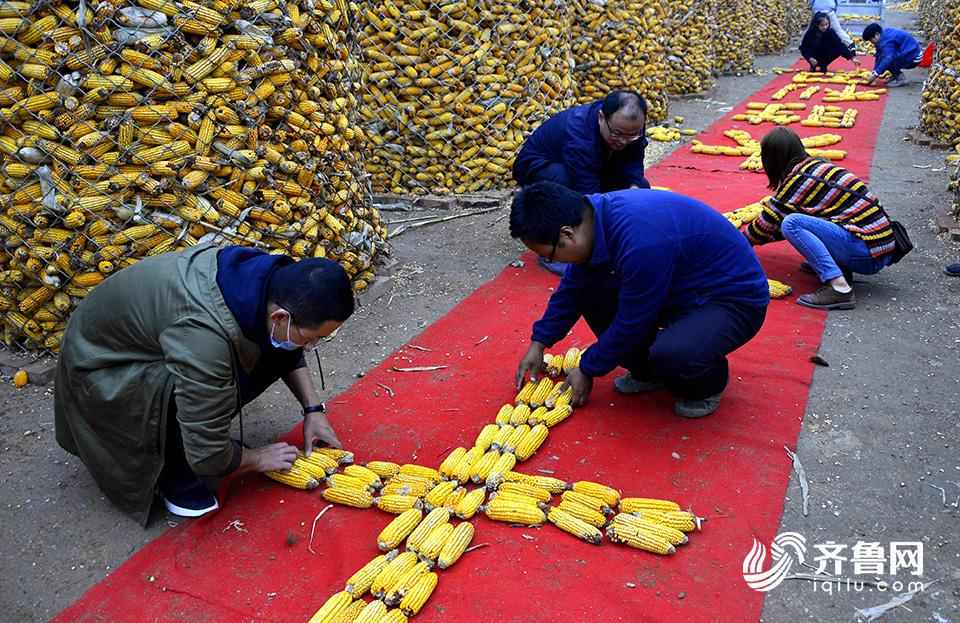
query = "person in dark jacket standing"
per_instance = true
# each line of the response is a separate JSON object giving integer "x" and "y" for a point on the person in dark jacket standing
{"x": 158, "y": 360}
{"x": 593, "y": 148}
{"x": 821, "y": 45}
{"x": 896, "y": 50}
{"x": 663, "y": 281}
{"x": 829, "y": 216}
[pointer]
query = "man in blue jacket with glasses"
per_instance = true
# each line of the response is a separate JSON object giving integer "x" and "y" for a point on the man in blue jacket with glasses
{"x": 896, "y": 50}
{"x": 592, "y": 148}
{"x": 665, "y": 283}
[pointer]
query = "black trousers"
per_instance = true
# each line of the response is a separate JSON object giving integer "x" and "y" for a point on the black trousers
{"x": 689, "y": 352}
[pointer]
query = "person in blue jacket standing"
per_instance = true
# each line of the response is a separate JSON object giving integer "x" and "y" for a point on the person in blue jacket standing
{"x": 592, "y": 148}
{"x": 663, "y": 281}
{"x": 896, "y": 50}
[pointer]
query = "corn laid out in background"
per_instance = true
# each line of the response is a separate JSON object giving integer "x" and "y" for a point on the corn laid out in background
{"x": 830, "y": 117}
{"x": 747, "y": 214}
{"x": 851, "y": 94}
{"x": 134, "y": 128}
{"x": 750, "y": 147}
{"x": 856, "y": 76}
{"x": 619, "y": 44}
{"x": 940, "y": 110}
{"x": 779, "y": 114}
{"x": 452, "y": 89}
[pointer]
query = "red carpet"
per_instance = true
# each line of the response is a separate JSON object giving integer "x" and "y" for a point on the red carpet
{"x": 731, "y": 469}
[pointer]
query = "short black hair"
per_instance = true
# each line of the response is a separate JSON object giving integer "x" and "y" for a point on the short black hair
{"x": 870, "y": 31}
{"x": 313, "y": 290}
{"x": 628, "y": 103}
{"x": 540, "y": 210}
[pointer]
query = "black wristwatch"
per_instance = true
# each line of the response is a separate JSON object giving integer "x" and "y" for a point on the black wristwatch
{"x": 319, "y": 408}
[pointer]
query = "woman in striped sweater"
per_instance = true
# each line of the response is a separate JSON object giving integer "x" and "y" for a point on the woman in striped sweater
{"x": 827, "y": 214}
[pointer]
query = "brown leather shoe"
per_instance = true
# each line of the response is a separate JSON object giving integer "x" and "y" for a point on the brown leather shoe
{"x": 828, "y": 298}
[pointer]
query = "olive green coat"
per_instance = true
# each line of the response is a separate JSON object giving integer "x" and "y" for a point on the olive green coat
{"x": 155, "y": 330}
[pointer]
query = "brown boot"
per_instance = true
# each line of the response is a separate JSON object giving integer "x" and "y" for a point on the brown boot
{"x": 828, "y": 298}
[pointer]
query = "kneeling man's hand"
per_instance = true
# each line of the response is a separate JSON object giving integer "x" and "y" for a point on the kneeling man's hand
{"x": 316, "y": 428}
{"x": 581, "y": 384}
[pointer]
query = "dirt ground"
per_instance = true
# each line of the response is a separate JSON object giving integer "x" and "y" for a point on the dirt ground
{"x": 881, "y": 424}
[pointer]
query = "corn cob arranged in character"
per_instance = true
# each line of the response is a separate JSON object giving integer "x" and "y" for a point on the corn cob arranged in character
{"x": 399, "y": 529}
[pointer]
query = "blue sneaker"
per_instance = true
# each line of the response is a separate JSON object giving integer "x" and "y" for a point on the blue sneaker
{"x": 190, "y": 500}
{"x": 557, "y": 268}
{"x": 952, "y": 270}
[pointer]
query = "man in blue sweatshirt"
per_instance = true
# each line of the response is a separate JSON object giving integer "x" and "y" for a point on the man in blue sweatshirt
{"x": 593, "y": 148}
{"x": 896, "y": 50}
{"x": 665, "y": 283}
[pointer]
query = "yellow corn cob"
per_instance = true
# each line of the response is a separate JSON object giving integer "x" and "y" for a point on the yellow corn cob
{"x": 681, "y": 520}
{"x": 74, "y": 220}
{"x": 384, "y": 469}
{"x": 36, "y": 298}
{"x": 372, "y": 612}
{"x": 399, "y": 487}
{"x": 587, "y": 500}
{"x": 556, "y": 415}
{"x": 526, "y": 392}
{"x": 349, "y": 496}
{"x": 519, "y": 415}
{"x": 390, "y": 573}
{"x": 518, "y": 498}
{"x": 343, "y": 480}
{"x": 574, "y": 525}
{"x": 587, "y": 514}
{"x": 306, "y": 467}
{"x": 509, "y": 511}
{"x": 450, "y": 462}
{"x": 503, "y": 415}
{"x": 336, "y": 603}
{"x": 87, "y": 280}
{"x": 455, "y": 545}
{"x": 625, "y": 522}
{"x": 328, "y": 465}
{"x": 367, "y": 475}
{"x": 515, "y": 436}
{"x": 571, "y": 359}
{"x": 519, "y": 488}
{"x": 361, "y": 581}
{"x": 536, "y": 417}
{"x": 294, "y": 478}
{"x": 394, "y": 616}
{"x": 633, "y": 505}
{"x": 551, "y": 400}
{"x": 393, "y": 594}
{"x": 551, "y": 484}
{"x": 640, "y": 540}
{"x": 531, "y": 442}
{"x": 205, "y": 66}
{"x": 433, "y": 519}
{"x": 343, "y": 457}
{"x": 540, "y": 393}
{"x": 564, "y": 399}
{"x": 502, "y": 436}
{"x": 554, "y": 364}
{"x": 439, "y": 493}
{"x": 504, "y": 464}
{"x": 482, "y": 466}
{"x": 396, "y": 504}
{"x": 431, "y": 546}
{"x": 137, "y": 232}
{"x": 487, "y": 434}
{"x": 415, "y": 599}
{"x": 609, "y": 496}
{"x": 468, "y": 506}
{"x": 399, "y": 529}
{"x": 421, "y": 471}
{"x": 462, "y": 471}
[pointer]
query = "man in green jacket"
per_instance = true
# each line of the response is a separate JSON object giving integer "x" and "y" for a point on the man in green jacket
{"x": 160, "y": 357}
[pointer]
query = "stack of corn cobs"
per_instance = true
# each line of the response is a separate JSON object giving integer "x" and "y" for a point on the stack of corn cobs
{"x": 468, "y": 482}
{"x": 733, "y": 39}
{"x": 690, "y": 49}
{"x": 620, "y": 45}
{"x": 940, "y": 111}
{"x": 770, "y": 26}
{"x": 453, "y": 88}
{"x": 132, "y": 128}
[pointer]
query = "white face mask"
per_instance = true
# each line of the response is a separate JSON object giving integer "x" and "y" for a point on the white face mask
{"x": 286, "y": 344}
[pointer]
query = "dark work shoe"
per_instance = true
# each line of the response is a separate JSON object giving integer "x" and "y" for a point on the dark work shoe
{"x": 697, "y": 408}
{"x": 952, "y": 270}
{"x": 557, "y": 268}
{"x": 626, "y": 384}
{"x": 828, "y": 298}
{"x": 190, "y": 500}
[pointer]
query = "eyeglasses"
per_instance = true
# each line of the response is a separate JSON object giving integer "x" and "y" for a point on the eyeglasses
{"x": 617, "y": 134}
{"x": 309, "y": 346}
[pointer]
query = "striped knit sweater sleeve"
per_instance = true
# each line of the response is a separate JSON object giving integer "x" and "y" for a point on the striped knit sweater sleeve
{"x": 825, "y": 190}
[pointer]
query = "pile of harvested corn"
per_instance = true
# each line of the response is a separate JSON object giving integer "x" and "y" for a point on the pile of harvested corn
{"x": 452, "y": 89}
{"x": 689, "y": 47}
{"x": 732, "y": 40}
{"x": 770, "y": 26}
{"x": 931, "y": 17}
{"x": 940, "y": 110}
{"x": 132, "y": 129}
{"x": 620, "y": 45}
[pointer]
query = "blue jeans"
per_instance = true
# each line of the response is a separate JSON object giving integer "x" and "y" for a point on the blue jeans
{"x": 689, "y": 353}
{"x": 830, "y": 249}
